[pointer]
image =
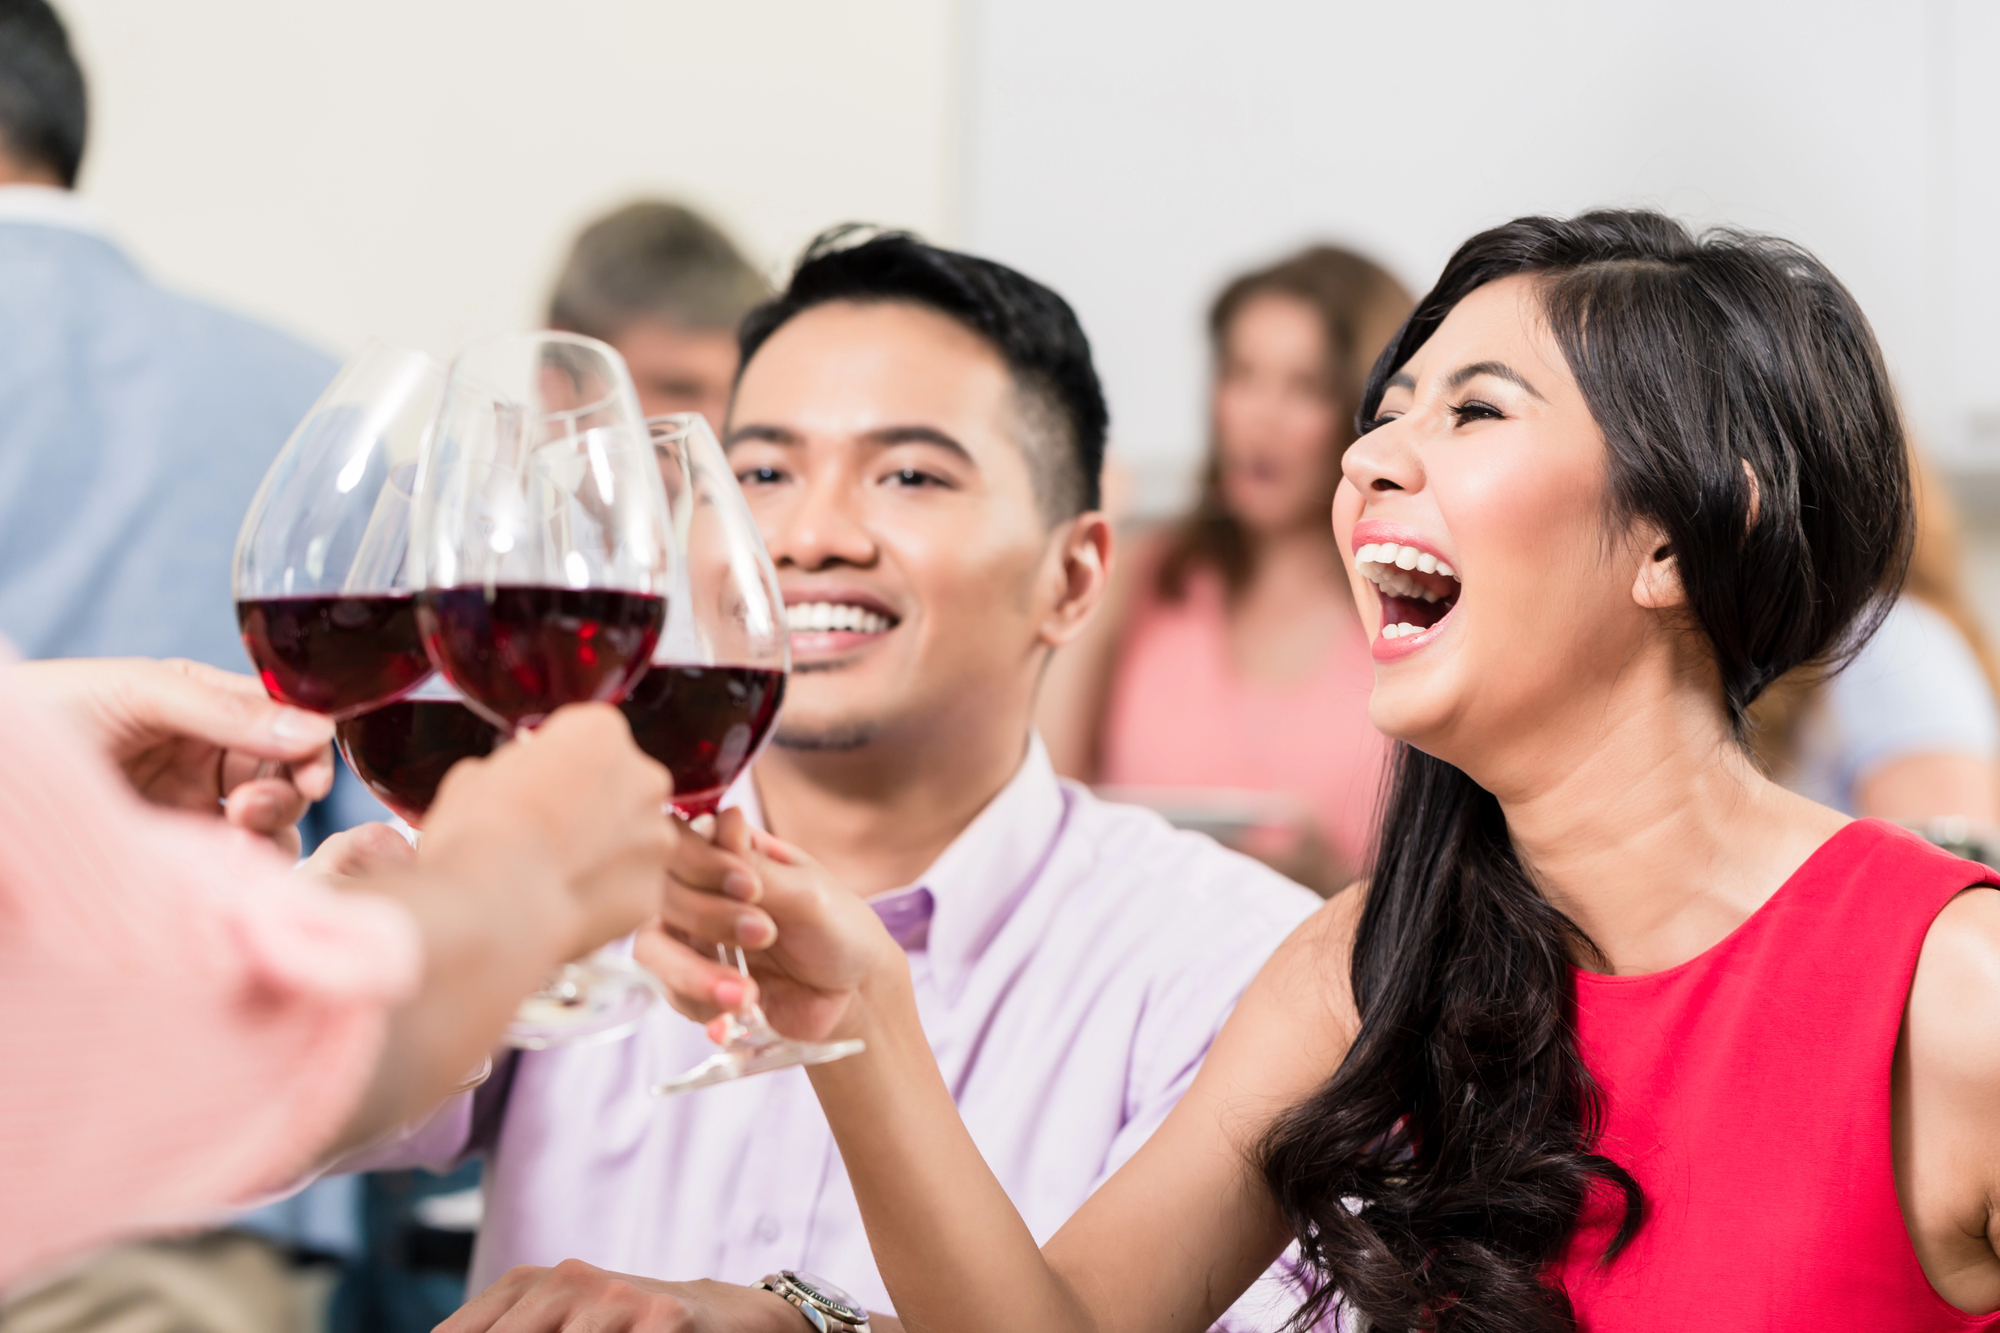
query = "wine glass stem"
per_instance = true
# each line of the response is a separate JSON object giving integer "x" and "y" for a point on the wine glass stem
{"x": 749, "y": 1019}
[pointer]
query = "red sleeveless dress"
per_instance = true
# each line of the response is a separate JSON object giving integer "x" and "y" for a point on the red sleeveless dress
{"x": 1748, "y": 1091}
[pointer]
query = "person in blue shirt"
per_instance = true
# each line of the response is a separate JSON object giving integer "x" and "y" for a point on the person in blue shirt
{"x": 135, "y": 425}
{"x": 135, "y": 422}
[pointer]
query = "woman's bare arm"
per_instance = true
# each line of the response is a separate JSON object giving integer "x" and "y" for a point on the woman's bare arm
{"x": 1168, "y": 1243}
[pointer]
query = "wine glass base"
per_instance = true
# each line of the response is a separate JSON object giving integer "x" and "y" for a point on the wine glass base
{"x": 745, "y": 1059}
{"x": 582, "y": 1005}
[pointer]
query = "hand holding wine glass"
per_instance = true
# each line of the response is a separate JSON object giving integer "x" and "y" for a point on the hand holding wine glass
{"x": 811, "y": 944}
{"x": 191, "y": 737}
{"x": 544, "y": 549}
{"x": 708, "y": 703}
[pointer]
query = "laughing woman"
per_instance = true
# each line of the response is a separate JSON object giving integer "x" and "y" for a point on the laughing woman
{"x": 1620, "y": 1035}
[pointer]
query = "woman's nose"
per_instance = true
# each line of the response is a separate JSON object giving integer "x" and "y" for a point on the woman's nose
{"x": 1385, "y": 459}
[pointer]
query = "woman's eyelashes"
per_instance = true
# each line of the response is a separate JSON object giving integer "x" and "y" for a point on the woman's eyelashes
{"x": 1473, "y": 410}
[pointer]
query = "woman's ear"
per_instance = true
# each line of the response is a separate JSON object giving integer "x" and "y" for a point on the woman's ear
{"x": 1657, "y": 587}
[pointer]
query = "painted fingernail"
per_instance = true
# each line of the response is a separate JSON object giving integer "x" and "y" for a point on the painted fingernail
{"x": 752, "y": 930}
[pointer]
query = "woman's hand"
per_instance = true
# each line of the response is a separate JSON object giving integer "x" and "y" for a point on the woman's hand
{"x": 192, "y": 737}
{"x": 813, "y": 944}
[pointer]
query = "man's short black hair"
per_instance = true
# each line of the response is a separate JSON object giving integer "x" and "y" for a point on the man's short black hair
{"x": 42, "y": 112}
{"x": 1034, "y": 331}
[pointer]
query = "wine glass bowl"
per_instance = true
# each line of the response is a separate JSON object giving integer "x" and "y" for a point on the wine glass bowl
{"x": 710, "y": 700}
{"x": 543, "y": 534}
{"x": 322, "y": 588}
{"x": 402, "y": 750}
{"x": 543, "y": 549}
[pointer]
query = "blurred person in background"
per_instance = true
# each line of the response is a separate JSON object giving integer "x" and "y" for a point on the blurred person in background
{"x": 665, "y": 286}
{"x": 186, "y": 1021}
{"x": 1909, "y": 730}
{"x": 919, "y": 434}
{"x": 135, "y": 425}
{"x": 1230, "y": 655}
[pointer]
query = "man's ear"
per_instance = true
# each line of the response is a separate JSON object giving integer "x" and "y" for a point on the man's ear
{"x": 1082, "y": 553}
{"x": 1657, "y": 586}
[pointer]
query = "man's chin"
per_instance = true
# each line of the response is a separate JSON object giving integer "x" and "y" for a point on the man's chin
{"x": 834, "y": 738}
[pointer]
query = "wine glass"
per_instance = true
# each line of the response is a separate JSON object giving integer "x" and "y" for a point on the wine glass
{"x": 401, "y": 750}
{"x": 707, "y": 704}
{"x": 544, "y": 550}
{"x": 323, "y": 592}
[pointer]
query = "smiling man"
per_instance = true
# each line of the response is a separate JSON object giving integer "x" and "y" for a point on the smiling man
{"x": 919, "y": 434}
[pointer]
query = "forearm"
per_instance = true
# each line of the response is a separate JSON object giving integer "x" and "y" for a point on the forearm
{"x": 951, "y": 1247}
{"x": 487, "y": 942}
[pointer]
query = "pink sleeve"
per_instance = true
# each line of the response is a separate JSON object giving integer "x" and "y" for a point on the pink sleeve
{"x": 183, "y": 1021}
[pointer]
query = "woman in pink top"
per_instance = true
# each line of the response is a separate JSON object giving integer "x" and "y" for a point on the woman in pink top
{"x": 184, "y": 1021}
{"x": 1229, "y": 655}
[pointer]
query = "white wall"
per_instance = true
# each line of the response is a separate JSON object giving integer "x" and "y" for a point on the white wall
{"x": 416, "y": 168}
{"x": 1135, "y": 155}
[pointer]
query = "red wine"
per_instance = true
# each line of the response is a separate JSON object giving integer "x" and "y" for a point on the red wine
{"x": 402, "y": 750}
{"x": 523, "y": 652}
{"x": 703, "y": 723}
{"x": 334, "y": 655}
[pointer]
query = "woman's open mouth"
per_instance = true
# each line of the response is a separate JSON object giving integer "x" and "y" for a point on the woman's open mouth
{"x": 1418, "y": 590}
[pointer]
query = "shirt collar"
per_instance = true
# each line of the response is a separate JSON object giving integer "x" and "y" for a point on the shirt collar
{"x": 48, "y": 206}
{"x": 976, "y": 883}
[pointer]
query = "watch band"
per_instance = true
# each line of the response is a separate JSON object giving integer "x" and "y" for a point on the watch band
{"x": 826, "y": 1307}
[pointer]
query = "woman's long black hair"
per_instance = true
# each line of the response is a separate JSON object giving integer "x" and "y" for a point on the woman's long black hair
{"x": 1437, "y": 1177}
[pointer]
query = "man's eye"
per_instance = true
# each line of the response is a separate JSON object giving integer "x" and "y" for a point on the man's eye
{"x": 909, "y": 476}
{"x": 759, "y": 476}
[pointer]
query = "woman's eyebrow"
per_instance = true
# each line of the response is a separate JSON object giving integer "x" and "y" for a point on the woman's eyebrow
{"x": 1499, "y": 370}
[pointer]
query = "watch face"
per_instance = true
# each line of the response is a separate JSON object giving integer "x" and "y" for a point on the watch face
{"x": 828, "y": 1297}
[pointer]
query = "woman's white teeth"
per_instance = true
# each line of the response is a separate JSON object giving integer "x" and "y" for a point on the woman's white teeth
{"x": 1385, "y": 564}
{"x": 1402, "y": 629}
{"x": 808, "y": 617}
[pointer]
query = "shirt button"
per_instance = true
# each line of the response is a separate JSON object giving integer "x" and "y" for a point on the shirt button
{"x": 766, "y": 1229}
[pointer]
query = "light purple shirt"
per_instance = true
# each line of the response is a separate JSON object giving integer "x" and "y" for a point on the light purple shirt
{"x": 1073, "y": 960}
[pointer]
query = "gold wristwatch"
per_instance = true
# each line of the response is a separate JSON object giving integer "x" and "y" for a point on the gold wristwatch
{"x": 825, "y": 1306}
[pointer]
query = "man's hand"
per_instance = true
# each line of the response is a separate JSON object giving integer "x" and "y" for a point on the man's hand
{"x": 575, "y": 1295}
{"x": 191, "y": 737}
{"x": 812, "y": 943}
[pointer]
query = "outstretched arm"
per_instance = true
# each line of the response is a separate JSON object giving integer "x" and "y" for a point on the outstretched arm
{"x": 1168, "y": 1243}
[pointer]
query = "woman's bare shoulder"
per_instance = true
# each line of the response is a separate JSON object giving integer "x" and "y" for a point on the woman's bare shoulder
{"x": 1294, "y": 1024}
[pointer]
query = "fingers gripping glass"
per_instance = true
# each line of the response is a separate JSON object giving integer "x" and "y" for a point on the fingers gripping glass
{"x": 543, "y": 552}
{"x": 708, "y": 703}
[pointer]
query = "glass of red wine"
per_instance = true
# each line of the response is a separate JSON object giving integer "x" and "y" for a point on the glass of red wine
{"x": 402, "y": 750}
{"x": 706, "y": 706}
{"x": 323, "y": 593}
{"x": 544, "y": 549}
